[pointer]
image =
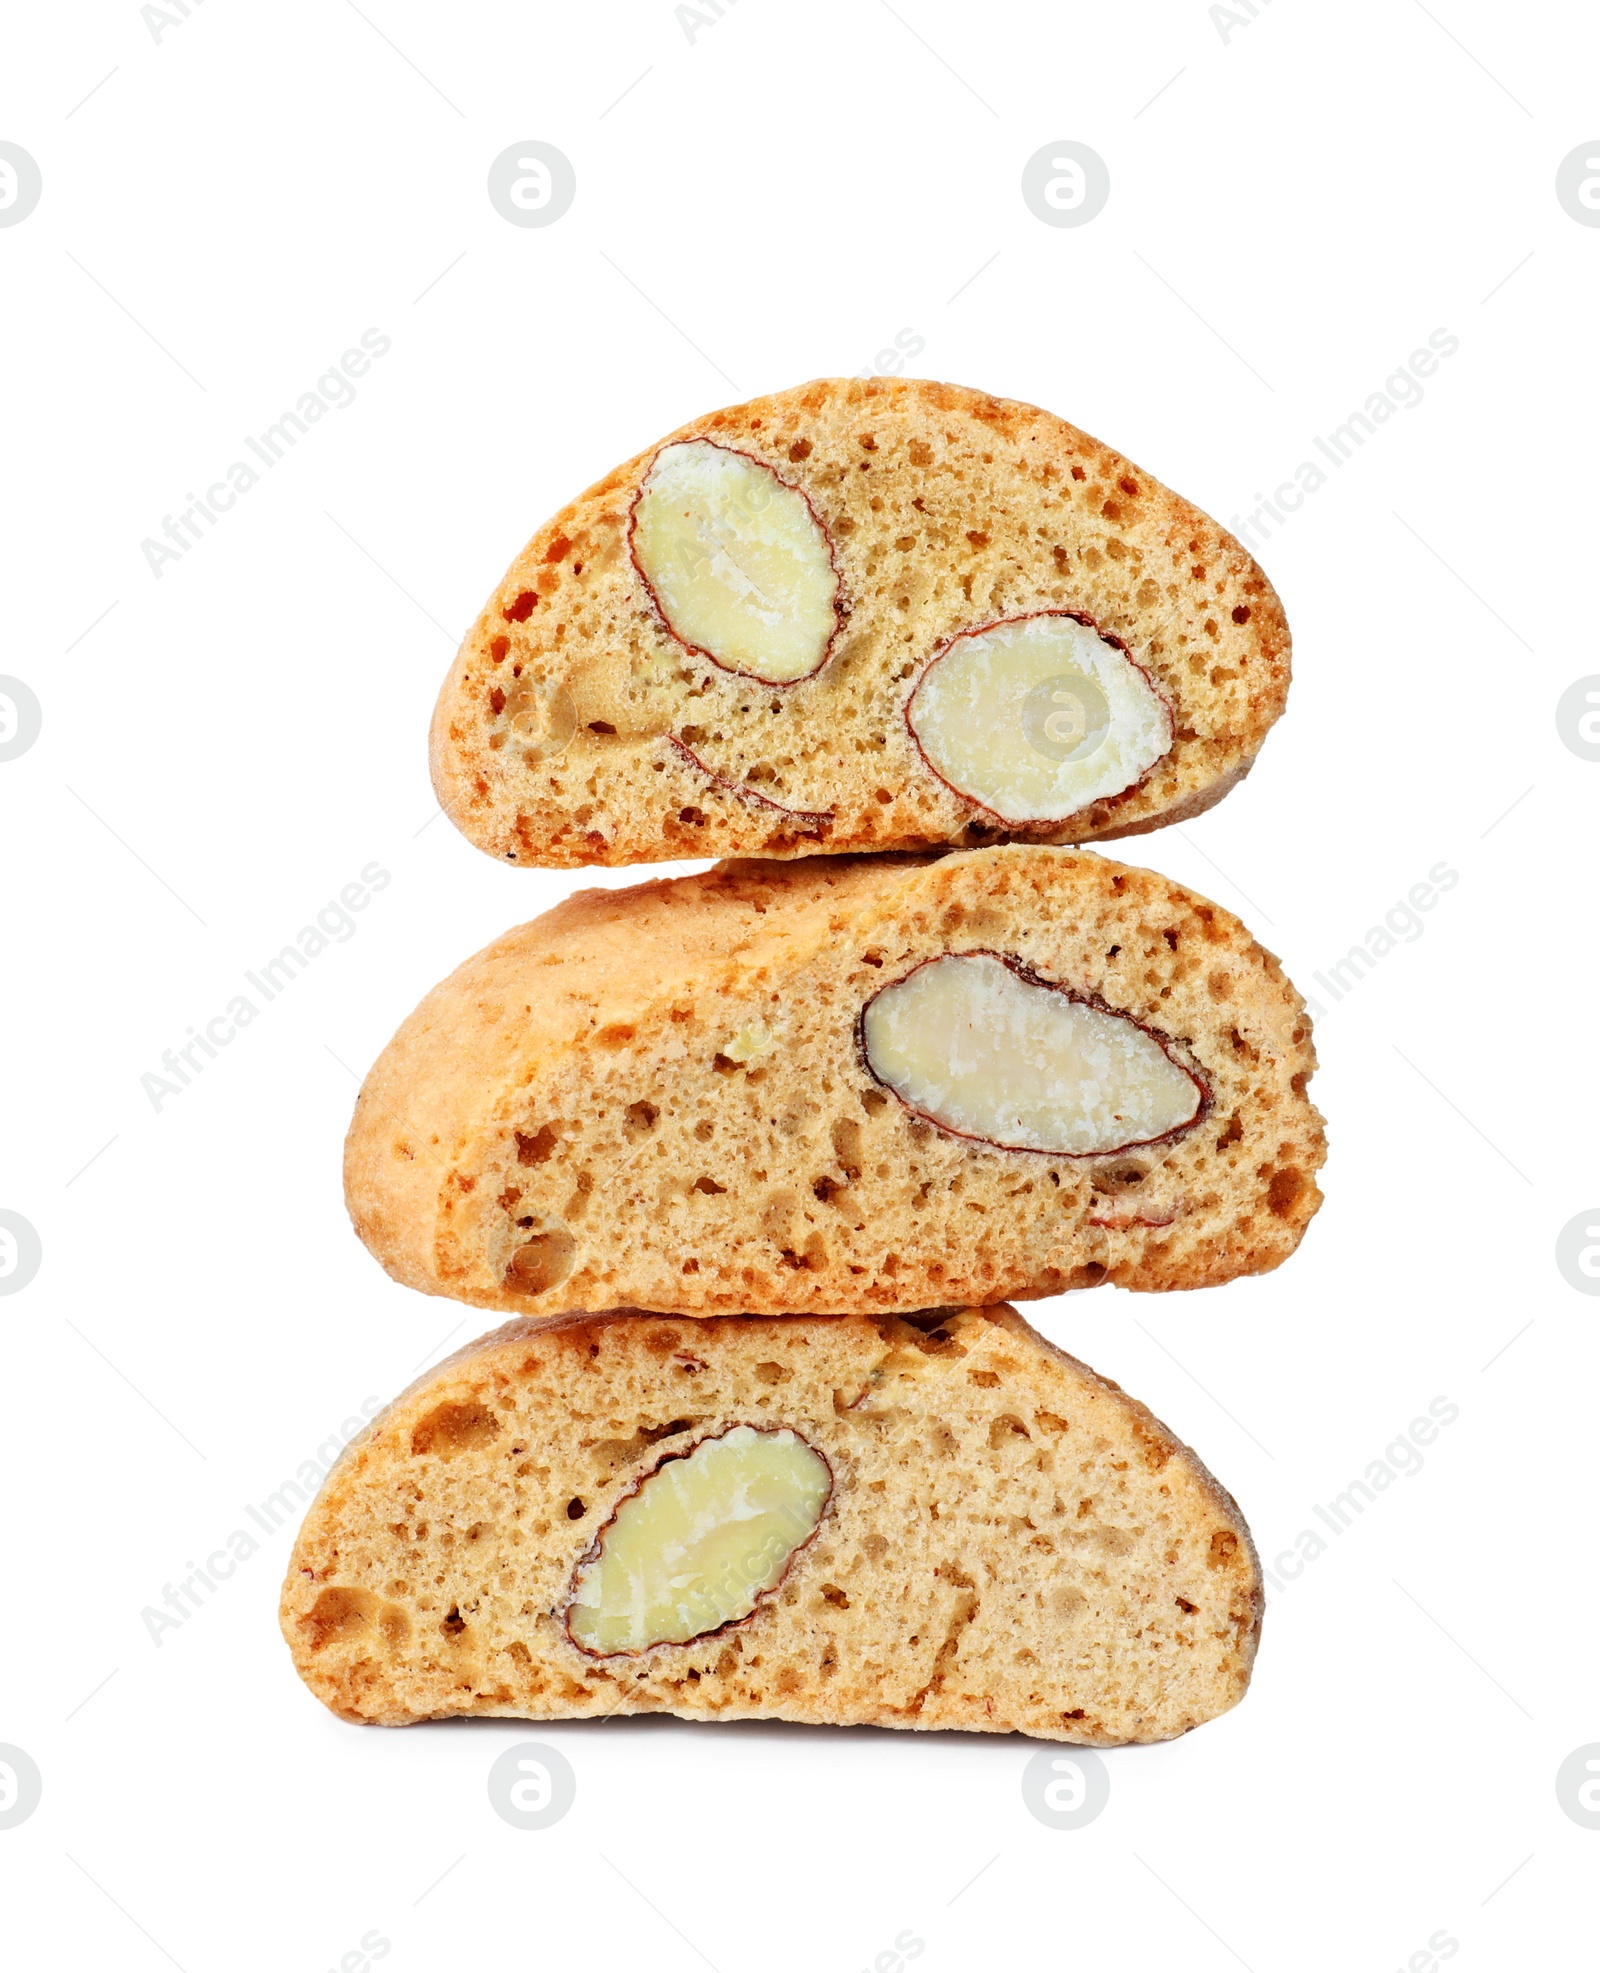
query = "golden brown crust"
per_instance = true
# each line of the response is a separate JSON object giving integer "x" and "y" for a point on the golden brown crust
{"x": 947, "y": 508}
{"x": 658, "y": 1094}
{"x": 1013, "y": 1544}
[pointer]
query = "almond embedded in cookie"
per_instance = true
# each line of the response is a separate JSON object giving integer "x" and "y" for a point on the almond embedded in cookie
{"x": 736, "y": 562}
{"x": 1038, "y": 718}
{"x": 980, "y": 1048}
{"x": 701, "y": 1542}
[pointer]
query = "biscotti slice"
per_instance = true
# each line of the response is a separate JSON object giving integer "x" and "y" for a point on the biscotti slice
{"x": 853, "y": 616}
{"x": 845, "y": 1083}
{"x": 944, "y": 1522}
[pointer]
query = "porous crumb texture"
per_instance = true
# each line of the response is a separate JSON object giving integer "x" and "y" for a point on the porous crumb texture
{"x": 575, "y": 729}
{"x": 1012, "y": 1544}
{"x": 657, "y": 1098}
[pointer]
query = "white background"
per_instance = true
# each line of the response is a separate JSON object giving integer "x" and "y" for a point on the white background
{"x": 1308, "y": 196}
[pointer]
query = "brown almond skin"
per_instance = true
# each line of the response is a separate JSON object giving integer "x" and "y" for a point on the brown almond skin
{"x": 814, "y": 822}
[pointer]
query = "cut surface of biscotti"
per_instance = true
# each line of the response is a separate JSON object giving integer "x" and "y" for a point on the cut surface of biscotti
{"x": 839, "y": 1520}
{"x": 858, "y": 616}
{"x": 845, "y": 1083}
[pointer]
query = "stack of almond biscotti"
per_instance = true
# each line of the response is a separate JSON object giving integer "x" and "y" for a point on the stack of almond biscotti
{"x": 756, "y": 1159}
